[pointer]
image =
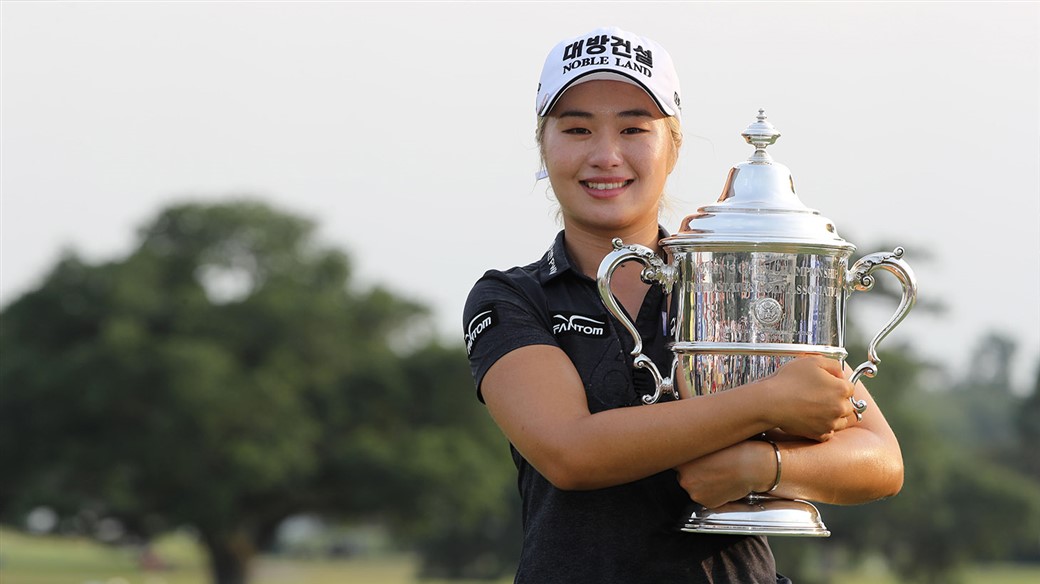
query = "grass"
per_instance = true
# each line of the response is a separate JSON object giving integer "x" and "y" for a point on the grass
{"x": 28, "y": 559}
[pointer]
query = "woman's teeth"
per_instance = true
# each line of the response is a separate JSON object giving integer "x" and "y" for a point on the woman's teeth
{"x": 605, "y": 186}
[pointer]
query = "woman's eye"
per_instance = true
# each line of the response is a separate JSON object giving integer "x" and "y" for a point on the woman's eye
{"x": 633, "y": 131}
{"x": 577, "y": 131}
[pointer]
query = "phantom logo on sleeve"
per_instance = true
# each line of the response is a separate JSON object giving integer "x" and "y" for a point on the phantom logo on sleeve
{"x": 485, "y": 319}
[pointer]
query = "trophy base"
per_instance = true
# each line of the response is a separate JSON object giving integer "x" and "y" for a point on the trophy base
{"x": 757, "y": 515}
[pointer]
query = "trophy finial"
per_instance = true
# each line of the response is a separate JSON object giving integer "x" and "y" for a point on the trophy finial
{"x": 760, "y": 134}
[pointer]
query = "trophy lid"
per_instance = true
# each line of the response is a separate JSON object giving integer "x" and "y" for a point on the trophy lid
{"x": 759, "y": 205}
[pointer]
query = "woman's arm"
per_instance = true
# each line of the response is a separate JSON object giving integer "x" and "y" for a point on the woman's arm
{"x": 537, "y": 398}
{"x": 862, "y": 463}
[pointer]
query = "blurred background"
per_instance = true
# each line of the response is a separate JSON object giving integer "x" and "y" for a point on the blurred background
{"x": 237, "y": 237}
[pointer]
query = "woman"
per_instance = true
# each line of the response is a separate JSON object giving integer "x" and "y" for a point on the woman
{"x": 603, "y": 484}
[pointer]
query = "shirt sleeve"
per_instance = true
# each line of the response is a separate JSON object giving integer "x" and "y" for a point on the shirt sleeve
{"x": 499, "y": 317}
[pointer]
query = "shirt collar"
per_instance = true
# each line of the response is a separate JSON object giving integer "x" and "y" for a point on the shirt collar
{"x": 556, "y": 261}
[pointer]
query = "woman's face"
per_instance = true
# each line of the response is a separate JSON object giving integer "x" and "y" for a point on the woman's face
{"x": 608, "y": 152}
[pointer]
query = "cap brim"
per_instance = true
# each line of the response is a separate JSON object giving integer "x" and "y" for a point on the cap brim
{"x": 603, "y": 75}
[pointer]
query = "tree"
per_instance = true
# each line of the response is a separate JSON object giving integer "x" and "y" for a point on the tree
{"x": 1028, "y": 425}
{"x": 225, "y": 375}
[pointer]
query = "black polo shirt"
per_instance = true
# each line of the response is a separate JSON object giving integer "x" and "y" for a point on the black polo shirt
{"x": 624, "y": 534}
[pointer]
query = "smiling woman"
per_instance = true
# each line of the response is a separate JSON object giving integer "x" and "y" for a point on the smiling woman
{"x": 671, "y": 122}
{"x": 608, "y": 154}
{"x": 603, "y": 477}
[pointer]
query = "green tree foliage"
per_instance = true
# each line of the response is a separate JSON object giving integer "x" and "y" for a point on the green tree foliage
{"x": 1027, "y": 421}
{"x": 225, "y": 375}
{"x": 979, "y": 411}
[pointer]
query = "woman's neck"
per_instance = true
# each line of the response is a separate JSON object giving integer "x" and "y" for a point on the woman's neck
{"x": 587, "y": 248}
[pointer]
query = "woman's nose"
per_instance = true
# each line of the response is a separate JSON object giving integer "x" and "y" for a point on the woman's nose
{"x": 606, "y": 152}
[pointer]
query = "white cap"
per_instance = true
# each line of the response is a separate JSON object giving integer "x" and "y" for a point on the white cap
{"x": 613, "y": 54}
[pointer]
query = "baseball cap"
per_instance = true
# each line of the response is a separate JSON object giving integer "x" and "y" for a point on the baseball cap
{"x": 613, "y": 54}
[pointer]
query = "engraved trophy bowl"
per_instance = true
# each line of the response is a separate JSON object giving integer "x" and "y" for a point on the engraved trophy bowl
{"x": 758, "y": 278}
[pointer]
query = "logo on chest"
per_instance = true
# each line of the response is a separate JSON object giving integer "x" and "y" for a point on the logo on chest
{"x": 565, "y": 323}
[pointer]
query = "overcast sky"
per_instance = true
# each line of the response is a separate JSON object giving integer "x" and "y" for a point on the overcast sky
{"x": 406, "y": 131}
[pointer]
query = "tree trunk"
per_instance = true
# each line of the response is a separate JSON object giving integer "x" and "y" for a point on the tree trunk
{"x": 229, "y": 556}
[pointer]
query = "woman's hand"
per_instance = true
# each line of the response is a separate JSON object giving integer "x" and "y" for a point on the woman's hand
{"x": 729, "y": 474}
{"x": 810, "y": 398}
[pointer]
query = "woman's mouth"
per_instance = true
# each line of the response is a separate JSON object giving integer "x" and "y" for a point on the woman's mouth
{"x": 596, "y": 185}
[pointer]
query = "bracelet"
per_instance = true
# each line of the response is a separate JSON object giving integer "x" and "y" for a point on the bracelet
{"x": 779, "y": 466}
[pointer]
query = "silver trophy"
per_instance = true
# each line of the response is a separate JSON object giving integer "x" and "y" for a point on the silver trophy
{"x": 760, "y": 279}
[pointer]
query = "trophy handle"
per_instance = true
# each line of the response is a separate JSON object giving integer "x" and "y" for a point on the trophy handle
{"x": 859, "y": 279}
{"x": 655, "y": 271}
